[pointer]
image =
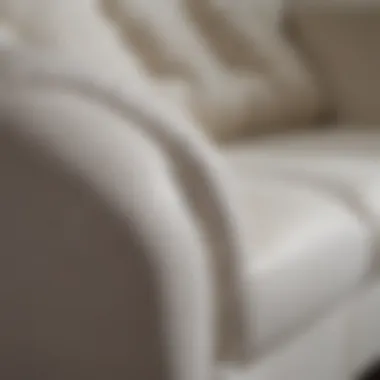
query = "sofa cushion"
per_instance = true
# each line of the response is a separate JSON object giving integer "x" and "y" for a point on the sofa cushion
{"x": 305, "y": 251}
{"x": 342, "y": 163}
{"x": 224, "y": 63}
{"x": 342, "y": 39}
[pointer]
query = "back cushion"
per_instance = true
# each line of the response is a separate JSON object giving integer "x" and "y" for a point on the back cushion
{"x": 224, "y": 62}
{"x": 343, "y": 39}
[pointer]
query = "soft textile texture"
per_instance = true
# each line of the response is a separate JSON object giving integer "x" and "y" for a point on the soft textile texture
{"x": 343, "y": 41}
{"x": 198, "y": 169}
{"x": 225, "y": 63}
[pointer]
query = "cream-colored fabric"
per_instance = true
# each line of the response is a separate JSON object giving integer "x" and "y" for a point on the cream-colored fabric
{"x": 342, "y": 39}
{"x": 78, "y": 289}
{"x": 306, "y": 251}
{"x": 342, "y": 163}
{"x": 116, "y": 141}
{"x": 317, "y": 353}
{"x": 224, "y": 63}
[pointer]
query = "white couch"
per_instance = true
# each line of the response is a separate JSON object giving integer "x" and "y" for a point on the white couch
{"x": 133, "y": 247}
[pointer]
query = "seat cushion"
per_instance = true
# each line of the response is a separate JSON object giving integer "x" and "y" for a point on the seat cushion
{"x": 306, "y": 251}
{"x": 343, "y": 163}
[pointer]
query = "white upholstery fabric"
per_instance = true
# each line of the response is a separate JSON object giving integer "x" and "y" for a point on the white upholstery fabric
{"x": 339, "y": 345}
{"x": 73, "y": 307}
{"x": 225, "y": 63}
{"x": 78, "y": 288}
{"x": 318, "y": 353}
{"x": 139, "y": 158}
{"x": 344, "y": 163}
{"x": 305, "y": 252}
{"x": 118, "y": 223}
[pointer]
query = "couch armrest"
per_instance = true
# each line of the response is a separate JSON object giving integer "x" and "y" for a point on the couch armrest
{"x": 102, "y": 270}
{"x": 342, "y": 39}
